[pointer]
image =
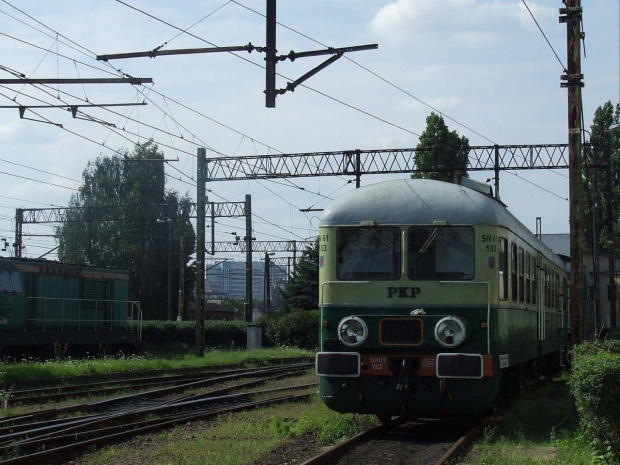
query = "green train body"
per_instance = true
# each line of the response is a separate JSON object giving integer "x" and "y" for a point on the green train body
{"x": 432, "y": 295}
{"x": 49, "y": 307}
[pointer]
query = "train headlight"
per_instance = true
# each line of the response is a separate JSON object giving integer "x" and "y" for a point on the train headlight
{"x": 352, "y": 331}
{"x": 450, "y": 332}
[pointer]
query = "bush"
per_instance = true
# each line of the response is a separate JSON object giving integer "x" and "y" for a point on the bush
{"x": 222, "y": 334}
{"x": 594, "y": 384}
{"x": 297, "y": 329}
{"x": 612, "y": 335}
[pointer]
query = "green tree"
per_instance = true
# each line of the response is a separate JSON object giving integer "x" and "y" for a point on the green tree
{"x": 595, "y": 193}
{"x": 113, "y": 223}
{"x": 238, "y": 305}
{"x": 441, "y": 152}
{"x": 302, "y": 290}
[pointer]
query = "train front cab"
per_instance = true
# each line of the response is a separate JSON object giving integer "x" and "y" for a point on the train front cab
{"x": 416, "y": 325}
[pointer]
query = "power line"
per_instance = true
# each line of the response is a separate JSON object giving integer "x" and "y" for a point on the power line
{"x": 37, "y": 180}
{"x": 218, "y": 122}
{"x": 544, "y": 35}
{"x": 374, "y": 74}
{"x": 262, "y": 67}
{"x": 39, "y": 170}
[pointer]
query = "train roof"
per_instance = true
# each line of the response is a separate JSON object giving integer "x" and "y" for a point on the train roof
{"x": 39, "y": 265}
{"x": 422, "y": 202}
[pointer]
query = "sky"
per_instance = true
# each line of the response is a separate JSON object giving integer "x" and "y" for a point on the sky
{"x": 484, "y": 65}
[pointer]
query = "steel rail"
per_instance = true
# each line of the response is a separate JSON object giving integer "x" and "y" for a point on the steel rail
{"x": 23, "y": 422}
{"x": 60, "y": 392}
{"x": 144, "y": 426}
{"x": 79, "y": 425}
{"x": 329, "y": 453}
{"x": 10, "y": 423}
{"x": 454, "y": 451}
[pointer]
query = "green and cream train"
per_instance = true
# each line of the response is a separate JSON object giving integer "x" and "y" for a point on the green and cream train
{"x": 434, "y": 300}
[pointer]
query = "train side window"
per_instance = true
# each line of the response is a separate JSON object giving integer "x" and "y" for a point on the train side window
{"x": 535, "y": 264}
{"x": 546, "y": 280}
{"x": 503, "y": 268}
{"x": 10, "y": 281}
{"x": 553, "y": 288}
{"x": 550, "y": 286}
{"x": 521, "y": 275}
{"x": 565, "y": 292}
{"x": 368, "y": 253}
{"x": 513, "y": 271}
{"x": 94, "y": 294}
{"x": 528, "y": 278}
{"x": 557, "y": 290}
{"x": 444, "y": 253}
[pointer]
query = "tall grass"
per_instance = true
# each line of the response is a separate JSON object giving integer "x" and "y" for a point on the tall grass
{"x": 540, "y": 427}
{"x": 31, "y": 370}
{"x": 241, "y": 438}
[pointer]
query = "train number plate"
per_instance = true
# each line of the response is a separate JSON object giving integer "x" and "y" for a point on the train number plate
{"x": 376, "y": 365}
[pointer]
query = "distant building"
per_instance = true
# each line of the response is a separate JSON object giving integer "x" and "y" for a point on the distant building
{"x": 597, "y": 314}
{"x": 228, "y": 279}
{"x": 214, "y": 310}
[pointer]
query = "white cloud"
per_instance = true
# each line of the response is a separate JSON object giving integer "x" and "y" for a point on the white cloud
{"x": 8, "y": 130}
{"x": 472, "y": 21}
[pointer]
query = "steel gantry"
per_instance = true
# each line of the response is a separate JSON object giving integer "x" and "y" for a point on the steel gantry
{"x": 262, "y": 246}
{"x": 384, "y": 161}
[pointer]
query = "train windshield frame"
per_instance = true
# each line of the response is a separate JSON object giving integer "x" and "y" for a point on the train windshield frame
{"x": 441, "y": 253}
{"x": 368, "y": 253}
{"x": 11, "y": 281}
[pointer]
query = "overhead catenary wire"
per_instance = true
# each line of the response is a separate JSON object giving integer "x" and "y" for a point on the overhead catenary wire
{"x": 194, "y": 36}
{"x": 385, "y": 80}
{"x": 545, "y": 36}
{"x": 171, "y": 136}
{"x": 114, "y": 129}
{"x": 210, "y": 43}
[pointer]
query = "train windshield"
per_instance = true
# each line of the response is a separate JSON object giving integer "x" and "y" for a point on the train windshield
{"x": 368, "y": 253}
{"x": 443, "y": 253}
{"x": 10, "y": 281}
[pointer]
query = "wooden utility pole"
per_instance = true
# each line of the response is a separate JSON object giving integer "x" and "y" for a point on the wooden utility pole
{"x": 571, "y": 15}
{"x": 200, "y": 252}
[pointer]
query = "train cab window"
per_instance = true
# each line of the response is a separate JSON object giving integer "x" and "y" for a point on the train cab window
{"x": 368, "y": 253}
{"x": 11, "y": 281}
{"x": 503, "y": 268}
{"x": 528, "y": 277}
{"x": 513, "y": 272}
{"x": 521, "y": 275}
{"x": 441, "y": 253}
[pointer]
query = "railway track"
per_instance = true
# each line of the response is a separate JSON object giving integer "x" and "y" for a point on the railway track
{"x": 30, "y": 438}
{"x": 423, "y": 442}
{"x": 75, "y": 388}
{"x": 147, "y": 397}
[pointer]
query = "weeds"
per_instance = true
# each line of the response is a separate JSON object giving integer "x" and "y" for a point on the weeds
{"x": 34, "y": 369}
{"x": 537, "y": 424}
